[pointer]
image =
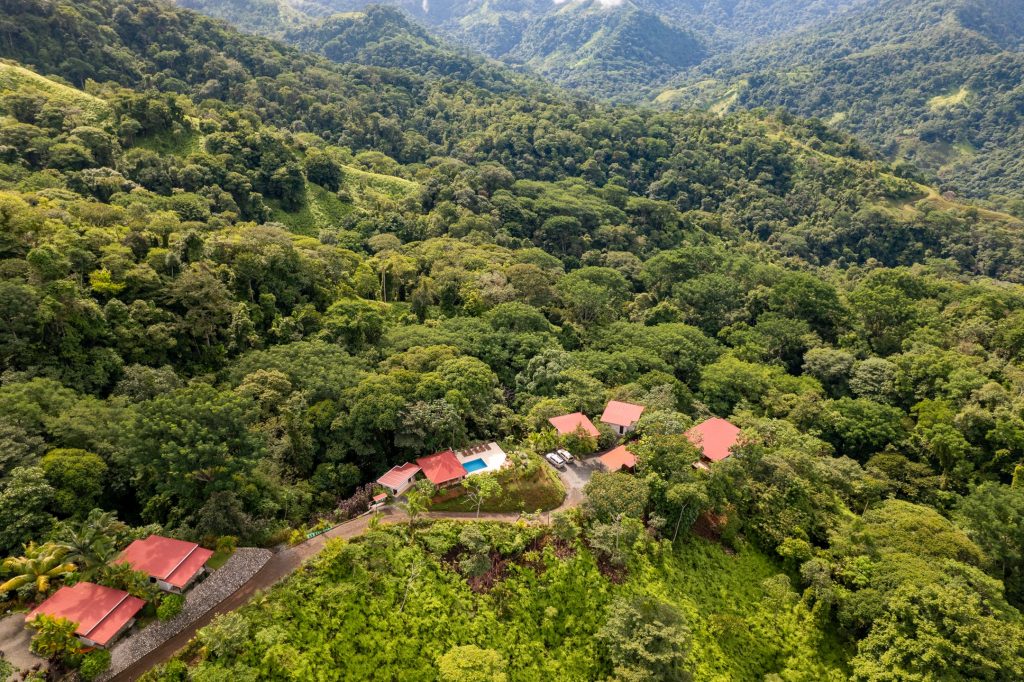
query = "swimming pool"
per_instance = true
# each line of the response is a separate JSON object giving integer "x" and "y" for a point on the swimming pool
{"x": 474, "y": 465}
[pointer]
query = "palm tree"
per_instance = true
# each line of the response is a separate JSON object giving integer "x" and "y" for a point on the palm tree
{"x": 89, "y": 544}
{"x": 39, "y": 565}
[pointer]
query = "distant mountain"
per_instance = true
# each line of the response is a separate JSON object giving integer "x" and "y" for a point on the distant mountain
{"x": 727, "y": 24}
{"x": 614, "y": 48}
{"x": 936, "y": 83}
{"x": 610, "y": 48}
{"x": 939, "y": 83}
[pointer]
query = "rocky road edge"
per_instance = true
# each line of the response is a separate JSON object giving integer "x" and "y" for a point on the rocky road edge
{"x": 218, "y": 586}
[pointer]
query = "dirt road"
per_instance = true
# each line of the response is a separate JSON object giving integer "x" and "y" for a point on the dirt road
{"x": 287, "y": 561}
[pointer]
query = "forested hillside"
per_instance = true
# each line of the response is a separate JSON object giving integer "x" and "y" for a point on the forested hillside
{"x": 612, "y": 49}
{"x": 933, "y": 82}
{"x": 239, "y": 281}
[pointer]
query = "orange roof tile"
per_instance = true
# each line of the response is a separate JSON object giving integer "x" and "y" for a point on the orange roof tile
{"x": 568, "y": 423}
{"x": 175, "y": 562}
{"x": 622, "y": 414}
{"x": 442, "y": 467}
{"x": 715, "y": 437}
{"x": 397, "y": 476}
{"x": 98, "y": 612}
{"x": 618, "y": 459}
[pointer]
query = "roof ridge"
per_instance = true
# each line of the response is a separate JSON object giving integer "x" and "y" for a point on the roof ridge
{"x": 192, "y": 551}
{"x": 107, "y": 614}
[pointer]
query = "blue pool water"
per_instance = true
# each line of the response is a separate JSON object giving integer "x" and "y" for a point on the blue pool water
{"x": 474, "y": 465}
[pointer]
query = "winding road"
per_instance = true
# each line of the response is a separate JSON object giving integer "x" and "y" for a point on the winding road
{"x": 287, "y": 561}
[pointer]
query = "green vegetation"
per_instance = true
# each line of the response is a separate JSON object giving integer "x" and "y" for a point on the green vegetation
{"x": 372, "y": 606}
{"x": 265, "y": 277}
{"x": 922, "y": 80}
{"x": 530, "y": 489}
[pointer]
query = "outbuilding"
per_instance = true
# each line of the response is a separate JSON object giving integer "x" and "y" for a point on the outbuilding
{"x": 622, "y": 417}
{"x": 619, "y": 459}
{"x": 399, "y": 478}
{"x": 570, "y": 423}
{"x": 100, "y": 614}
{"x": 172, "y": 564}
{"x": 715, "y": 439}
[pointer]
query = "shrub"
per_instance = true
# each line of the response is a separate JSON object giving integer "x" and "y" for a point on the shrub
{"x": 94, "y": 664}
{"x": 227, "y": 544}
{"x": 170, "y": 606}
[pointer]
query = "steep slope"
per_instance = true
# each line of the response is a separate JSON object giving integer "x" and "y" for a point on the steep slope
{"x": 227, "y": 310}
{"x": 607, "y": 49}
{"x": 935, "y": 82}
{"x": 385, "y": 37}
{"x": 613, "y": 48}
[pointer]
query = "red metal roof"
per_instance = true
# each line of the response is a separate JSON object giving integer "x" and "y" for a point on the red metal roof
{"x": 98, "y": 612}
{"x": 618, "y": 459}
{"x": 568, "y": 423}
{"x": 175, "y": 562}
{"x": 714, "y": 437}
{"x": 622, "y": 414}
{"x": 398, "y": 475}
{"x": 442, "y": 467}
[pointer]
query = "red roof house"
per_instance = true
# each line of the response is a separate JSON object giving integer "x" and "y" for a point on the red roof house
{"x": 715, "y": 438}
{"x": 171, "y": 564}
{"x": 400, "y": 478}
{"x": 442, "y": 468}
{"x": 618, "y": 459}
{"x": 568, "y": 423}
{"x": 622, "y": 416}
{"x": 99, "y": 613}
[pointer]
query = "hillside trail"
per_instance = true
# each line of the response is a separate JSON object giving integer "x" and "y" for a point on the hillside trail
{"x": 288, "y": 560}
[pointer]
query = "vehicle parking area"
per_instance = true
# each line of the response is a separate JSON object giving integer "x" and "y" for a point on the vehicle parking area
{"x": 575, "y": 476}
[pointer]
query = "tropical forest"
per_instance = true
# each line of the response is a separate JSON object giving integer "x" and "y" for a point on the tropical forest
{"x": 665, "y": 340}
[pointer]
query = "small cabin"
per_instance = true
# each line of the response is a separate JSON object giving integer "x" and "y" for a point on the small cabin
{"x": 100, "y": 614}
{"x": 622, "y": 417}
{"x": 399, "y": 478}
{"x": 619, "y": 459}
{"x": 715, "y": 439}
{"x": 173, "y": 565}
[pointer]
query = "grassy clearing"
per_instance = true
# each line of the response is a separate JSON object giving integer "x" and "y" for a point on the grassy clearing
{"x": 949, "y": 100}
{"x": 14, "y": 78}
{"x": 540, "y": 490}
{"x": 320, "y": 209}
{"x": 365, "y": 182}
{"x": 170, "y": 144}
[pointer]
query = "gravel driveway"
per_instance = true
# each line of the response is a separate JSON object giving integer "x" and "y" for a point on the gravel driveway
{"x": 221, "y": 584}
{"x": 14, "y": 641}
{"x": 575, "y": 476}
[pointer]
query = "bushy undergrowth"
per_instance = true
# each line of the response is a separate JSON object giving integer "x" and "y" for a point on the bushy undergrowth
{"x": 387, "y": 608}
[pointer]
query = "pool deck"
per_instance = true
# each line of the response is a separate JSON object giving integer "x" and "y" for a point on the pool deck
{"x": 490, "y": 454}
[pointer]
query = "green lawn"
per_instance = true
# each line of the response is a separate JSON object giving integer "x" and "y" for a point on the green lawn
{"x": 219, "y": 558}
{"x": 540, "y": 490}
